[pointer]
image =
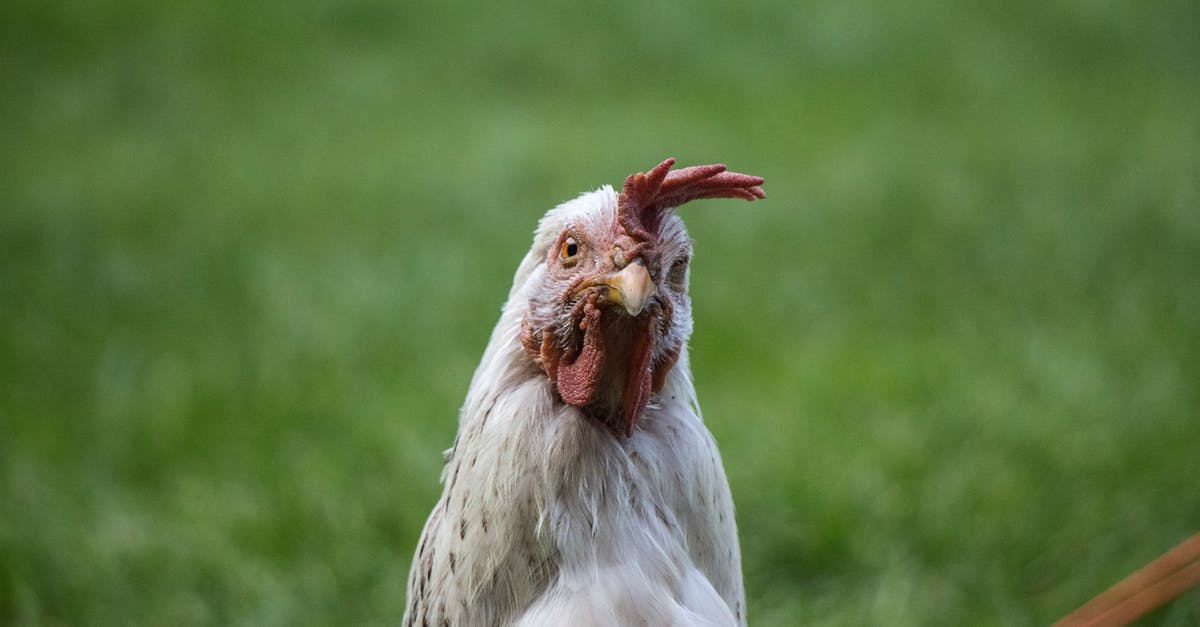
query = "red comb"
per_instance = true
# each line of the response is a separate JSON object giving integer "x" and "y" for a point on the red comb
{"x": 646, "y": 197}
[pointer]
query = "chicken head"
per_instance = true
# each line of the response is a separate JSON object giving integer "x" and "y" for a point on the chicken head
{"x": 611, "y": 312}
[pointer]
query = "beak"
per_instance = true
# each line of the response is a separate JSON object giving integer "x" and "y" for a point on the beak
{"x": 631, "y": 288}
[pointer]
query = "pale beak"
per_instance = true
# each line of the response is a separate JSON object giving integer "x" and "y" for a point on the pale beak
{"x": 631, "y": 288}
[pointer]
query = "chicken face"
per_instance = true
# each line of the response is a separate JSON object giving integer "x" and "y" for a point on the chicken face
{"x": 611, "y": 313}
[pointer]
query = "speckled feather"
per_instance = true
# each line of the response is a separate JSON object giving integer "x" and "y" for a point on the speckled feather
{"x": 548, "y": 517}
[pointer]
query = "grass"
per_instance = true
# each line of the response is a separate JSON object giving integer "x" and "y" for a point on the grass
{"x": 250, "y": 254}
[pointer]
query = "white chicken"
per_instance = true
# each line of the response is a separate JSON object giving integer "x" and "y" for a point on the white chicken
{"x": 583, "y": 487}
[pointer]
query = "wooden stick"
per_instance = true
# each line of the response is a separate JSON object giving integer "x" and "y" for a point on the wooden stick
{"x": 1145, "y": 590}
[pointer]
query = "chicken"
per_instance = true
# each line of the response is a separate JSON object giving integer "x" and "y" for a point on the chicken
{"x": 583, "y": 487}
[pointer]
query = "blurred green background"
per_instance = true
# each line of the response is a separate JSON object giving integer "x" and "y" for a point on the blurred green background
{"x": 250, "y": 254}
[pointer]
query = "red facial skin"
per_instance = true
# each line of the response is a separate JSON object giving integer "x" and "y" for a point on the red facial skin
{"x": 607, "y": 366}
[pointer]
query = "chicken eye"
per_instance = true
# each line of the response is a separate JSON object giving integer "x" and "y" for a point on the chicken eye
{"x": 569, "y": 250}
{"x": 677, "y": 275}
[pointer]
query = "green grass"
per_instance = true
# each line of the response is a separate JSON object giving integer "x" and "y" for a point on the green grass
{"x": 250, "y": 254}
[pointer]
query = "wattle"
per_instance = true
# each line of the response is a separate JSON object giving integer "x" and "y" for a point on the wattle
{"x": 581, "y": 375}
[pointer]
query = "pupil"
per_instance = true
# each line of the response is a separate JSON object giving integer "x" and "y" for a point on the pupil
{"x": 572, "y": 248}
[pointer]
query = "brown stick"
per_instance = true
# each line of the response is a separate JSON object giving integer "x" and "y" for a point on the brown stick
{"x": 1147, "y": 589}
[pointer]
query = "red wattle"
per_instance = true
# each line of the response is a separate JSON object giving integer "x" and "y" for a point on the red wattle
{"x": 579, "y": 375}
{"x": 639, "y": 380}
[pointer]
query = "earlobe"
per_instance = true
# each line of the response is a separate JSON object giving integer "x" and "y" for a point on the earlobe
{"x": 550, "y": 353}
{"x": 533, "y": 340}
{"x": 541, "y": 345}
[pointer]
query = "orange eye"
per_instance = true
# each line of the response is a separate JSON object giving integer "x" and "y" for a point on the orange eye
{"x": 569, "y": 249}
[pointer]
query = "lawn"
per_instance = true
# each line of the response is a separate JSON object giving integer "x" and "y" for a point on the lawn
{"x": 250, "y": 254}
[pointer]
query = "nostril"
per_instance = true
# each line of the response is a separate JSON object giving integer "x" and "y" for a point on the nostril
{"x": 618, "y": 257}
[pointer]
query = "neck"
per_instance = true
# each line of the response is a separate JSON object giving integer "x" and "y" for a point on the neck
{"x": 536, "y": 491}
